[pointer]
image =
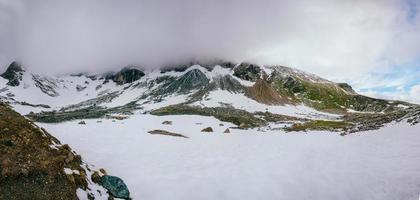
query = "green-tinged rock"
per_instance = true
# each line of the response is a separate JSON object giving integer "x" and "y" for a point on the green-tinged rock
{"x": 115, "y": 186}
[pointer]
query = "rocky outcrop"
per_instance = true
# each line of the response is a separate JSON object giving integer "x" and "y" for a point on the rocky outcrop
{"x": 192, "y": 80}
{"x": 46, "y": 85}
{"x": 228, "y": 83}
{"x": 126, "y": 75}
{"x": 14, "y": 74}
{"x": 35, "y": 165}
{"x": 32, "y": 162}
{"x": 346, "y": 87}
{"x": 246, "y": 71}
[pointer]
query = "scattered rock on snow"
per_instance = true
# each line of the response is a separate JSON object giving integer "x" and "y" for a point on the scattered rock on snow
{"x": 115, "y": 186}
{"x": 226, "y": 131}
{"x": 208, "y": 129}
{"x": 163, "y": 132}
{"x": 82, "y": 122}
{"x": 167, "y": 122}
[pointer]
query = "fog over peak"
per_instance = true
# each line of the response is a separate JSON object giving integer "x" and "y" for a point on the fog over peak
{"x": 339, "y": 40}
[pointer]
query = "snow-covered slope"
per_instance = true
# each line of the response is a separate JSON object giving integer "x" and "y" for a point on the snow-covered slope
{"x": 248, "y": 164}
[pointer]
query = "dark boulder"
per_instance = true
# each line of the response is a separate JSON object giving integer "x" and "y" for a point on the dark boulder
{"x": 126, "y": 75}
{"x": 14, "y": 74}
{"x": 115, "y": 186}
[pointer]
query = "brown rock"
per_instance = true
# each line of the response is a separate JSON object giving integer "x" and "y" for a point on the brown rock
{"x": 167, "y": 122}
{"x": 208, "y": 130}
{"x": 96, "y": 178}
{"x": 69, "y": 158}
{"x": 102, "y": 170}
{"x": 226, "y": 131}
{"x": 163, "y": 132}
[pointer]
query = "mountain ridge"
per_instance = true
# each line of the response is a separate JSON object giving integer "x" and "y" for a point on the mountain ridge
{"x": 243, "y": 86}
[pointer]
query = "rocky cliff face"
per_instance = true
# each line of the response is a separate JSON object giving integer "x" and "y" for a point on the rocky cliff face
{"x": 33, "y": 162}
{"x": 126, "y": 75}
{"x": 35, "y": 165}
{"x": 13, "y": 74}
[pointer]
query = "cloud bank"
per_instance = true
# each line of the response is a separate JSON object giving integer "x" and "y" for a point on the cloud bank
{"x": 355, "y": 41}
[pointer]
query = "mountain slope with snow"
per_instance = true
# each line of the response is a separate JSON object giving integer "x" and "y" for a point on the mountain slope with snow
{"x": 254, "y": 89}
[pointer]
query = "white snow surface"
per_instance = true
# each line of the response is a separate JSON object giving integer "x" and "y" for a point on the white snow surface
{"x": 248, "y": 164}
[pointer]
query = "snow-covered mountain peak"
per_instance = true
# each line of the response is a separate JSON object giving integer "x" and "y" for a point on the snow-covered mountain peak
{"x": 273, "y": 89}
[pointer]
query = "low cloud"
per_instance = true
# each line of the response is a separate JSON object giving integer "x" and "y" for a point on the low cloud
{"x": 340, "y": 40}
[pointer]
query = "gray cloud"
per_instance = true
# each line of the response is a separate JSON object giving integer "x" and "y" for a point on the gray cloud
{"x": 336, "y": 39}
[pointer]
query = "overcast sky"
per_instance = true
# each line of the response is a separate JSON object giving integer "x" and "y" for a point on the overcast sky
{"x": 372, "y": 44}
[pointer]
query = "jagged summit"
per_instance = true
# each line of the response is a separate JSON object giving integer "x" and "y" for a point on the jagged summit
{"x": 128, "y": 74}
{"x": 13, "y": 74}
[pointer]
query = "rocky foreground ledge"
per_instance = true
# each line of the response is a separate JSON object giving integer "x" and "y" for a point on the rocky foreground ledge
{"x": 35, "y": 165}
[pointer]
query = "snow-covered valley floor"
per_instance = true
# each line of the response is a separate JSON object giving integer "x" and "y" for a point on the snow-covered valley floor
{"x": 247, "y": 164}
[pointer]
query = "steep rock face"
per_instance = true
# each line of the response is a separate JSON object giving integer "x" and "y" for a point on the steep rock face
{"x": 13, "y": 74}
{"x": 35, "y": 165}
{"x": 126, "y": 75}
{"x": 228, "y": 83}
{"x": 192, "y": 80}
{"x": 32, "y": 162}
{"x": 46, "y": 85}
{"x": 248, "y": 72}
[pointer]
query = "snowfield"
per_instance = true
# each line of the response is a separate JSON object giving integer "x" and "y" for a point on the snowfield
{"x": 248, "y": 164}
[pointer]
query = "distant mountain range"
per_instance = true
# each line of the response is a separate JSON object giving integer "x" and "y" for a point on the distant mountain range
{"x": 245, "y": 94}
